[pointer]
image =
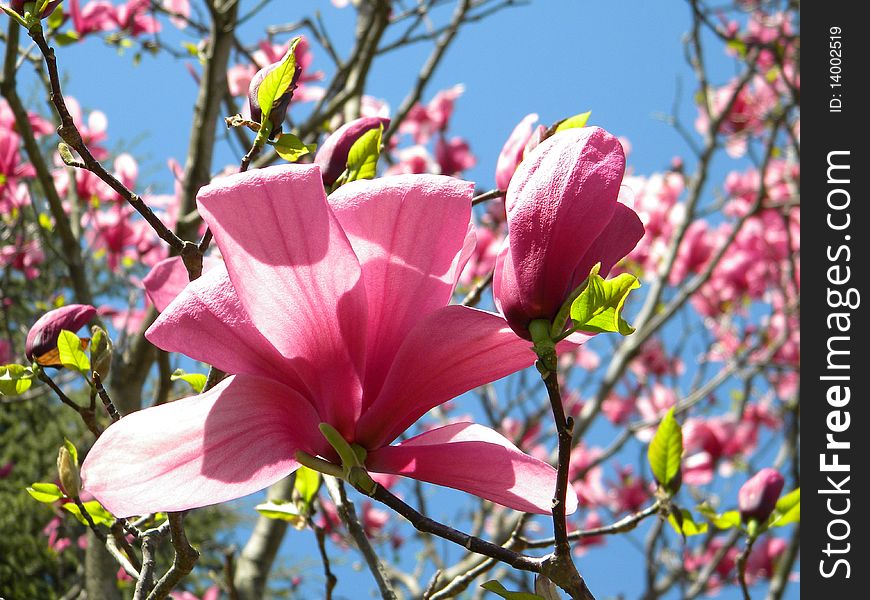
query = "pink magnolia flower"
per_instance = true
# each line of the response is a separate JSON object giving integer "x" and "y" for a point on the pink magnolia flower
{"x": 563, "y": 218}
{"x": 757, "y": 497}
{"x": 134, "y": 17}
{"x": 94, "y": 17}
{"x": 422, "y": 122}
{"x": 23, "y": 255}
{"x": 453, "y": 155}
{"x": 414, "y": 160}
{"x": 512, "y": 153}
{"x": 329, "y": 311}
{"x": 43, "y": 335}
{"x": 332, "y": 155}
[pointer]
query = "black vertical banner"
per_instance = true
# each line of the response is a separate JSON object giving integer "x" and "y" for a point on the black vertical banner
{"x": 835, "y": 249}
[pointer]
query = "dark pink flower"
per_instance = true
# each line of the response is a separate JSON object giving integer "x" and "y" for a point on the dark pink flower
{"x": 512, "y": 153}
{"x": 757, "y": 497}
{"x": 332, "y": 155}
{"x": 43, "y": 335}
{"x": 563, "y": 218}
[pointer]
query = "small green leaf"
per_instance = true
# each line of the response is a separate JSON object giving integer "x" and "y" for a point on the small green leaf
{"x": 15, "y": 379}
{"x": 598, "y": 308}
{"x": 45, "y": 222}
{"x": 72, "y": 451}
{"x": 196, "y": 380}
{"x": 290, "y": 148}
{"x": 99, "y": 514}
{"x": 101, "y": 351}
{"x": 686, "y": 525}
{"x": 307, "y": 483}
{"x": 496, "y": 588}
{"x": 55, "y": 19}
{"x": 66, "y": 38}
{"x": 788, "y": 510}
{"x": 70, "y": 353}
{"x": 281, "y": 510}
{"x": 362, "y": 158}
{"x": 575, "y": 122}
{"x": 727, "y": 520}
{"x": 666, "y": 451}
{"x": 46, "y": 492}
{"x": 14, "y": 15}
{"x": 277, "y": 81}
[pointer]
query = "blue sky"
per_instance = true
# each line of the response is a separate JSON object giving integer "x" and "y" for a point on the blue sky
{"x": 621, "y": 60}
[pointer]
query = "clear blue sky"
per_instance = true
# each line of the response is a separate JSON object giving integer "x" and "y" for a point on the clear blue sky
{"x": 621, "y": 60}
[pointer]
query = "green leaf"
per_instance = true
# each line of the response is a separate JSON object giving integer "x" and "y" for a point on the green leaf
{"x": 727, "y": 520}
{"x": 362, "y": 158}
{"x": 277, "y": 81}
{"x": 307, "y": 483}
{"x": 55, "y": 19}
{"x": 666, "y": 452}
{"x": 196, "y": 380}
{"x": 99, "y": 514}
{"x": 281, "y": 510}
{"x": 290, "y": 148}
{"x": 72, "y": 451}
{"x": 66, "y": 38}
{"x": 14, "y": 15}
{"x": 686, "y": 525}
{"x": 46, "y": 492}
{"x": 787, "y": 511}
{"x": 575, "y": 122}
{"x": 598, "y": 308}
{"x": 496, "y": 588}
{"x": 15, "y": 379}
{"x": 70, "y": 353}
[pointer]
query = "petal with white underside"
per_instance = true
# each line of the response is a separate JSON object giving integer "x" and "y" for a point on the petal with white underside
{"x": 447, "y": 353}
{"x": 233, "y": 440}
{"x": 477, "y": 460}
{"x": 297, "y": 276}
{"x": 408, "y": 232}
{"x": 207, "y": 322}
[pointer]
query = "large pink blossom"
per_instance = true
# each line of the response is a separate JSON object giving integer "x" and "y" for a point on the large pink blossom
{"x": 328, "y": 311}
{"x": 563, "y": 218}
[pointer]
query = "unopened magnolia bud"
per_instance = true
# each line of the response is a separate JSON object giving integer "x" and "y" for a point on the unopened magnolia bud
{"x": 68, "y": 472}
{"x": 18, "y": 6}
{"x": 332, "y": 155}
{"x": 757, "y": 498}
{"x": 279, "y": 105}
{"x": 42, "y": 337}
{"x": 101, "y": 351}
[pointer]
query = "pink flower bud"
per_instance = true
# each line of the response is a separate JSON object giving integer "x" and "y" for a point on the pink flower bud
{"x": 512, "y": 153}
{"x": 280, "y": 105}
{"x": 42, "y": 337}
{"x": 18, "y": 6}
{"x": 563, "y": 217}
{"x": 757, "y": 498}
{"x": 332, "y": 155}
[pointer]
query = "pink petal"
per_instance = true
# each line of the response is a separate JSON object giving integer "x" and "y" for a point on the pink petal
{"x": 560, "y": 199}
{"x": 447, "y": 353}
{"x": 512, "y": 153}
{"x": 297, "y": 278}
{"x": 208, "y": 323}
{"x": 408, "y": 232}
{"x": 619, "y": 237}
{"x": 474, "y": 459}
{"x": 233, "y": 440}
{"x": 168, "y": 277}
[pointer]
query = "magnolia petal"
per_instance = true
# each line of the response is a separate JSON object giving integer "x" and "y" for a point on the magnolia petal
{"x": 168, "y": 277}
{"x": 207, "y": 322}
{"x": 409, "y": 232}
{"x": 511, "y": 154}
{"x": 560, "y": 199}
{"x": 297, "y": 277}
{"x": 233, "y": 440}
{"x": 621, "y": 235}
{"x": 477, "y": 460}
{"x": 447, "y": 353}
